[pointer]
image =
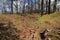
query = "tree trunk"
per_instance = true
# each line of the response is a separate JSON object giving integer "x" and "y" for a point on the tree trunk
{"x": 39, "y": 5}
{"x": 17, "y": 6}
{"x": 35, "y": 5}
{"x": 28, "y": 7}
{"x": 42, "y": 2}
{"x": 55, "y": 3}
{"x": 11, "y": 6}
{"x": 49, "y": 7}
{"x": 46, "y": 5}
{"x": 4, "y": 8}
{"x": 31, "y": 7}
{"x": 23, "y": 11}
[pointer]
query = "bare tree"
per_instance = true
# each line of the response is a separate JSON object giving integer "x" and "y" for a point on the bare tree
{"x": 28, "y": 6}
{"x": 39, "y": 5}
{"x": 23, "y": 7}
{"x": 31, "y": 8}
{"x": 54, "y": 7}
{"x": 49, "y": 6}
{"x": 35, "y": 4}
{"x": 16, "y": 6}
{"x": 4, "y": 9}
{"x": 46, "y": 6}
{"x": 42, "y": 2}
{"x": 11, "y": 6}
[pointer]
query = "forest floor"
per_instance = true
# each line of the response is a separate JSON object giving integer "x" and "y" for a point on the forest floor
{"x": 32, "y": 24}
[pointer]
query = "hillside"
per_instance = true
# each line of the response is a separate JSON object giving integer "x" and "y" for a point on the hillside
{"x": 31, "y": 25}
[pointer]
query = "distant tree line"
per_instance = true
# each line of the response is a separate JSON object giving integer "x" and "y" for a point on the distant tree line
{"x": 37, "y": 6}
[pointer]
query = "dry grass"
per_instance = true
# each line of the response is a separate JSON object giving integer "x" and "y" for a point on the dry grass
{"x": 49, "y": 21}
{"x": 32, "y": 21}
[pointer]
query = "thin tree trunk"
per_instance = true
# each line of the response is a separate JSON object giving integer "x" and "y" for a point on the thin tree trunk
{"x": 35, "y": 4}
{"x": 11, "y": 6}
{"x": 31, "y": 7}
{"x": 49, "y": 7}
{"x": 39, "y": 5}
{"x": 23, "y": 7}
{"x": 46, "y": 5}
{"x": 55, "y": 3}
{"x": 17, "y": 6}
{"x": 4, "y": 10}
{"x": 42, "y": 2}
{"x": 28, "y": 7}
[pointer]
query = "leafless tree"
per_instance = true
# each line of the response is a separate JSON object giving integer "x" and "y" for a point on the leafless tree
{"x": 39, "y": 5}
{"x": 55, "y": 3}
{"x": 49, "y": 6}
{"x": 23, "y": 11}
{"x": 31, "y": 6}
{"x": 28, "y": 6}
{"x": 42, "y": 2}
{"x": 35, "y": 4}
{"x": 16, "y": 6}
{"x": 46, "y": 6}
{"x": 3, "y": 9}
{"x": 11, "y": 6}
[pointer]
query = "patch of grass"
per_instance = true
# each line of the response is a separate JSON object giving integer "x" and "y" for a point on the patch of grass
{"x": 48, "y": 21}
